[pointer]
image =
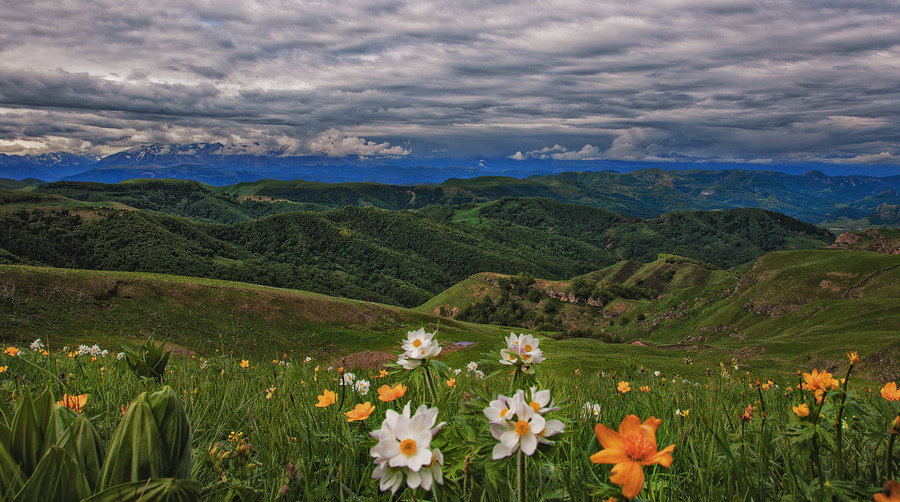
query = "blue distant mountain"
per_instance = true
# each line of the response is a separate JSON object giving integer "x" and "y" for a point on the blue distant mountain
{"x": 219, "y": 164}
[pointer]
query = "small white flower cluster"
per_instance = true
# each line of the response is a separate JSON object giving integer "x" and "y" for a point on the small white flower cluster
{"x": 37, "y": 345}
{"x": 656, "y": 374}
{"x": 418, "y": 346}
{"x": 479, "y": 374}
{"x": 517, "y": 422}
{"x": 362, "y": 387}
{"x": 93, "y": 351}
{"x": 591, "y": 409}
{"x": 521, "y": 350}
{"x": 307, "y": 360}
{"x": 121, "y": 355}
{"x": 457, "y": 371}
{"x": 404, "y": 450}
{"x": 472, "y": 366}
{"x": 348, "y": 379}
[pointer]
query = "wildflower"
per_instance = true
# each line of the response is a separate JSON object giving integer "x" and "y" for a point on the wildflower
{"x": 37, "y": 345}
{"x": 11, "y": 351}
{"x": 457, "y": 371}
{"x": 890, "y": 392}
{"x": 120, "y": 356}
{"x": 418, "y": 346}
{"x": 656, "y": 374}
{"x": 479, "y": 374}
{"x": 645, "y": 388}
{"x": 404, "y": 450}
{"x": 853, "y": 357}
{"x": 623, "y": 387}
{"x": 362, "y": 387}
{"x": 895, "y": 425}
{"x": 802, "y": 411}
{"x": 3, "y": 369}
{"x": 270, "y": 392}
{"x": 244, "y": 363}
{"x": 326, "y": 399}
{"x": 768, "y": 385}
{"x": 45, "y": 352}
{"x": 682, "y": 413}
{"x": 748, "y": 413}
{"x": 629, "y": 449}
{"x": 347, "y": 379}
{"x": 528, "y": 429}
{"x": 307, "y": 360}
{"x": 451, "y": 382}
{"x": 819, "y": 383}
{"x": 360, "y": 412}
{"x": 890, "y": 493}
{"x": 472, "y": 366}
{"x": 591, "y": 409}
{"x": 388, "y": 394}
{"x": 540, "y": 401}
{"x": 383, "y": 373}
{"x": 521, "y": 350}
{"x": 75, "y": 403}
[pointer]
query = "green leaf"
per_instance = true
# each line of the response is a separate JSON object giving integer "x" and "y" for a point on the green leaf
{"x": 12, "y": 479}
{"x": 57, "y": 478}
{"x": 153, "y": 440}
{"x": 83, "y": 442}
{"x": 151, "y": 490}
{"x": 26, "y": 435}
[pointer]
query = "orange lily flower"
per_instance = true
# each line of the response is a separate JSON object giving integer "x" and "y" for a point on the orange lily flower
{"x": 451, "y": 382}
{"x": 360, "y": 412}
{"x": 75, "y": 403}
{"x": 629, "y": 449}
{"x": 802, "y": 410}
{"x": 890, "y": 392}
{"x": 326, "y": 399}
{"x": 891, "y": 492}
{"x": 388, "y": 394}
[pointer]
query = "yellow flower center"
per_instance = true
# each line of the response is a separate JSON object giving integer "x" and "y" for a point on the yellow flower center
{"x": 408, "y": 447}
{"x": 417, "y": 343}
{"x": 534, "y": 406}
{"x": 528, "y": 348}
{"x": 504, "y": 412}
{"x": 637, "y": 446}
{"x": 522, "y": 428}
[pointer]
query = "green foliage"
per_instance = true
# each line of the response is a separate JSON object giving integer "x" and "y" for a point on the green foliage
{"x": 148, "y": 360}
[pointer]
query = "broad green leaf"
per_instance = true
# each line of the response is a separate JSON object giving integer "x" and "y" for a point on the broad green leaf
{"x": 26, "y": 438}
{"x": 83, "y": 442}
{"x": 12, "y": 479}
{"x": 153, "y": 440}
{"x": 151, "y": 490}
{"x": 57, "y": 478}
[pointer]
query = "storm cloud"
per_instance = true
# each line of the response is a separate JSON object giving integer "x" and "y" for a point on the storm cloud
{"x": 746, "y": 81}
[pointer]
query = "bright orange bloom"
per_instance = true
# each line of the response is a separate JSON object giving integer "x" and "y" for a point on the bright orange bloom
{"x": 75, "y": 403}
{"x": 326, "y": 399}
{"x": 244, "y": 363}
{"x": 451, "y": 382}
{"x": 388, "y": 394}
{"x": 802, "y": 410}
{"x": 819, "y": 383}
{"x": 853, "y": 357}
{"x": 360, "y": 412}
{"x": 623, "y": 387}
{"x": 891, "y": 492}
{"x": 3, "y": 369}
{"x": 11, "y": 351}
{"x": 645, "y": 388}
{"x": 890, "y": 392}
{"x": 629, "y": 449}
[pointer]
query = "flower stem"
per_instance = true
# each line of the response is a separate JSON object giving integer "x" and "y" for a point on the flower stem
{"x": 520, "y": 472}
{"x": 890, "y": 456}
{"x": 429, "y": 384}
{"x": 840, "y": 415}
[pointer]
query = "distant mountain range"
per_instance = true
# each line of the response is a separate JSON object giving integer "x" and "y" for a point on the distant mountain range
{"x": 218, "y": 164}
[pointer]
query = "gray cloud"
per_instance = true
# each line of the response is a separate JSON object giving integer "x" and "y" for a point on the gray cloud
{"x": 648, "y": 79}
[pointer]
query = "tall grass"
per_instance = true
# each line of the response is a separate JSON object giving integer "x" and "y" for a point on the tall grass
{"x": 258, "y": 432}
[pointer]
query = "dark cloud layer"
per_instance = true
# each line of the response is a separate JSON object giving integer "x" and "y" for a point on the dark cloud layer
{"x": 653, "y": 79}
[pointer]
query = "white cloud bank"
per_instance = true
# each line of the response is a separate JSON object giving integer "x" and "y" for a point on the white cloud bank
{"x": 333, "y": 144}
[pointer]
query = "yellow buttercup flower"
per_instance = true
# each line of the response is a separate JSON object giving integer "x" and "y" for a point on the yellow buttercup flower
{"x": 360, "y": 412}
{"x": 388, "y": 394}
{"x": 3, "y": 369}
{"x": 633, "y": 447}
{"x": 11, "y": 351}
{"x": 645, "y": 388}
{"x": 623, "y": 387}
{"x": 451, "y": 382}
{"x": 244, "y": 363}
{"x": 75, "y": 403}
{"x": 853, "y": 357}
{"x": 890, "y": 392}
{"x": 802, "y": 410}
{"x": 326, "y": 399}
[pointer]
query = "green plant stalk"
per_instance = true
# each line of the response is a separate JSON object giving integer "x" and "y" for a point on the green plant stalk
{"x": 840, "y": 428}
{"x": 429, "y": 384}
{"x": 890, "y": 456}
{"x": 520, "y": 476}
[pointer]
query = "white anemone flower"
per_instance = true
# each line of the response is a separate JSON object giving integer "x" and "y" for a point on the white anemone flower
{"x": 540, "y": 401}
{"x": 404, "y": 449}
{"x": 502, "y": 409}
{"x": 362, "y": 387}
{"x": 418, "y": 345}
{"x": 521, "y": 349}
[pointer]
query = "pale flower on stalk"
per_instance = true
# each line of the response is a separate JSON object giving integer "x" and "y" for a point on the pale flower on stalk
{"x": 521, "y": 350}
{"x": 522, "y": 427}
{"x": 503, "y": 408}
{"x": 418, "y": 346}
{"x": 404, "y": 449}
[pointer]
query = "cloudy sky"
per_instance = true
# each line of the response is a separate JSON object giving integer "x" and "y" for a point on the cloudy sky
{"x": 749, "y": 81}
